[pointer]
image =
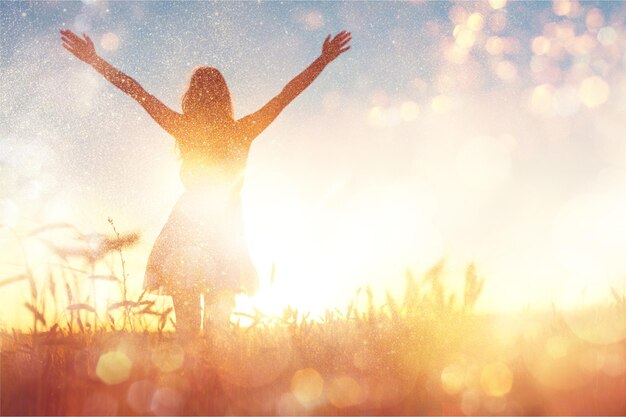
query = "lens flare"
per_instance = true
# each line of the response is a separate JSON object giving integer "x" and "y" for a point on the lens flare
{"x": 344, "y": 391}
{"x": 307, "y": 385}
{"x": 453, "y": 379}
{"x": 496, "y": 379}
{"x": 593, "y": 91}
{"x": 113, "y": 367}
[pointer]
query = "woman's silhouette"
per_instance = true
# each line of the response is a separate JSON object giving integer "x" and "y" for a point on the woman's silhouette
{"x": 202, "y": 249}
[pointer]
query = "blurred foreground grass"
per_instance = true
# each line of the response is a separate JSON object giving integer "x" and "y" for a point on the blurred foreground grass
{"x": 426, "y": 354}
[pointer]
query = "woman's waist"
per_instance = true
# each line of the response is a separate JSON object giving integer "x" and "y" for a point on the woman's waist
{"x": 217, "y": 189}
{"x": 214, "y": 195}
{"x": 214, "y": 178}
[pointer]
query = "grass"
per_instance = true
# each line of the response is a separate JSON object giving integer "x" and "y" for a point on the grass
{"x": 426, "y": 354}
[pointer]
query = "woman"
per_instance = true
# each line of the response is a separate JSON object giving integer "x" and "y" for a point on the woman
{"x": 202, "y": 249}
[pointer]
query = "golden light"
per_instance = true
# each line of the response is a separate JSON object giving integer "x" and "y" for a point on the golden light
{"x": 541, "y": 45}
{"x": 320, "y": 268}
{"x": 377, "y": 116}
{"x": 494, "y": 45}
{"x": 496, "y": 379}
{"x": 409, "y": 111}
{"x": 307, "y": 386}
{"x": 582, "y": 45}
{"x": 113, "y": 367}
{"x": 591, "y": 360}
{"x": 362, "y": 358}
{"x": 344, "y": 391}
{"x": 381, "y": 176}
{"x": 558, "y": 370}
{"x": 565, "y": 32}
{"x": 382, "y": 391}
{"x": 252, "y": 365}
{"x": 561, "y": 7}
{"x": 470, "y": 402}
{"x": 506, "y": 70}
{"x": 497, "y": 4}
{"x": 587, "y": 306}
{"x": 557, "y": 347}
{"x": 288, "y": 405}
{"x": 453, "y": 379}
{"x": 441, "y": 104}
{"x": 614, "y": 364}
{"x": 541, "y": 100}
{"x": 464, "y": 36}
{"x": 103, "y": 293}
{"x": 593, "y": 91}
{"x": 475, "y": 22}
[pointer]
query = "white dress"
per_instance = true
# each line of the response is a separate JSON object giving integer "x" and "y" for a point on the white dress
{"x": 202, "y": 246}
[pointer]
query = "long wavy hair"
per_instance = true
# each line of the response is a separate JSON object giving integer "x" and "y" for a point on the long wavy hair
{"x": 207, "y": 101}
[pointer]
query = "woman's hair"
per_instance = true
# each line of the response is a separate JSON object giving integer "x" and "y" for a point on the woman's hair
{"x": 208, "y": 101}
{"x": 208, "y": 97}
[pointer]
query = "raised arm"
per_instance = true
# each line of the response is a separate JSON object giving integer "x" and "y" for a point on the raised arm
{"x": 84, "y": 50}
{"x": 252, "y": 125}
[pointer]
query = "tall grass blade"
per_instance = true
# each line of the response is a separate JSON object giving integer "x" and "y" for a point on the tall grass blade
{"x": 36, "y": 313}
{"x": 81, "y": 306}
{"x": 11, "y": 280}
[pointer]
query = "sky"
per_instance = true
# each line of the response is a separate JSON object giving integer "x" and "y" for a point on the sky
{"x": 485, "y": 132}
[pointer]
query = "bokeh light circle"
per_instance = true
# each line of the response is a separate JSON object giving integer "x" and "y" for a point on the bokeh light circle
{"x": 113, "y": 367}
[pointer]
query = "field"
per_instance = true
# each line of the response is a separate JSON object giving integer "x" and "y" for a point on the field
{"x": 426, "y": 354}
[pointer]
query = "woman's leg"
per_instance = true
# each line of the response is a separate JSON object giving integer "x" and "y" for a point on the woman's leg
{"x": 218, "y": 306}
{"x": 187, "y": 311}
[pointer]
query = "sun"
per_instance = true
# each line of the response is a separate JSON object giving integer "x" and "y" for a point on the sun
{"x": 314, "y": 255}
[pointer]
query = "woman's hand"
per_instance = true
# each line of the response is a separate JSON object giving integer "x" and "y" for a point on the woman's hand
{"x": 82, "y": 49}
{"x": 336, "y": 46}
